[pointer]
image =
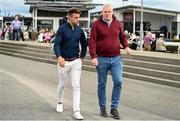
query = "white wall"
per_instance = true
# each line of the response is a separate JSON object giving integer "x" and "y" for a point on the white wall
{"x": 178, "y": 24}
{"x": 56, "y": 21}
{"x": 178, "y": 17}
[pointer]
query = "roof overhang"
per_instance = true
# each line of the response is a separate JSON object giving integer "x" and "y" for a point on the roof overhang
{"x": 61, "y": 5}
{"x": 145, "y": 9}
{"x": 149, "y": 10}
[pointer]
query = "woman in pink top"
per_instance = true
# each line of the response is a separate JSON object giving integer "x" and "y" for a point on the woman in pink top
{"x": 1, "y": 33}
{"x": 47, "y": 36}
{"x": 147, "y": 41}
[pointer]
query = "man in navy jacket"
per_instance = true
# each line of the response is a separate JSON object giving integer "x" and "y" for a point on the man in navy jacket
{"x": 67, "y": 51}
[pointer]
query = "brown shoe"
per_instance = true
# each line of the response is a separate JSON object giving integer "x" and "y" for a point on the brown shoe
{"x": 115, "y": 113}
{"x": 104, "y": 112}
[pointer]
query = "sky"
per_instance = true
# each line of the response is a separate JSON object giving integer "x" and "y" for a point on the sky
{"x": 12, "y": 7}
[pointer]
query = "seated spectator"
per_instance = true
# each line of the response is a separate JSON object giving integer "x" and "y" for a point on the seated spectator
{"x": 147, "y": 41}
{"x": 26, "y": 35}
{"x": 1, "y": 32}
{"x": 34, "y": 35}
{"x": 52, "y": 33}
{"x": 6, "y": 35}
{"x": 47, "y": 36}
{"x": 160, "y": 44}
{"x": 41, "y": 36}
{"x": 10, "y": 33}
{"x": 133, "y": 41}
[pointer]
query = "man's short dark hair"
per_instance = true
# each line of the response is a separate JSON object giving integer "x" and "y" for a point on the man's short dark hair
{"x": 16, "y": 16}
{"x": 73, "y": 10}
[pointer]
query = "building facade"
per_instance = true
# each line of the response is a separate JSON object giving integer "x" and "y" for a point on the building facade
{"x": 156, "y": 20}
{"x": 50, "y": 13}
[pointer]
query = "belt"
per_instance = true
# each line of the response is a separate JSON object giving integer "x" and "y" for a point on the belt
{"x": 71, "y": 59}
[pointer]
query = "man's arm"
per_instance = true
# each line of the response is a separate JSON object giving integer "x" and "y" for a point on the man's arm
{"x": 57, "y": 47}
{"x": 122, "y": 38}
{"x": 92, "y": 41}
{"x": 123, "y": 41}
{"x": 92, "y": 44}
{"x": 83, "y": 42}
{"x": 57, "y": 43}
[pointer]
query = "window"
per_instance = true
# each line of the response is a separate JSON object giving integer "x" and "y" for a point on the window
{"x": 43, "y": 24}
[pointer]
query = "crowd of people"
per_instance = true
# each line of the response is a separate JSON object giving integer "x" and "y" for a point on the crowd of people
{"x": 150, "y": 42}
{"x": 17, "y": 31}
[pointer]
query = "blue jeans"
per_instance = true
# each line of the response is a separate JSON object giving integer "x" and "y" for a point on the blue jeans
{"x": 16, "y": 35}
{"x": 114, "y": 65}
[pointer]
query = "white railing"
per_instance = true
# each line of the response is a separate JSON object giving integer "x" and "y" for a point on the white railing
{"x": 173, "y": 44}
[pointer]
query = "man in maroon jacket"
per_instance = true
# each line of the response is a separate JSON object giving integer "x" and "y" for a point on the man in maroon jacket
{"x": 105, "y": 40}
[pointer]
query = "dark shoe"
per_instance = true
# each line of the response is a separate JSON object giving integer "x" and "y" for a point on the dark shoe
{"x": 104, "y": 112}
{"x": 115, "y": 113}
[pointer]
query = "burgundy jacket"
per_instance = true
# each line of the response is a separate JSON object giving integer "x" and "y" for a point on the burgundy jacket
{"x": 105, "y": 40}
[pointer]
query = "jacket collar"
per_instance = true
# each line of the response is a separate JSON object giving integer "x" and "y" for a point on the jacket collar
{"x": 101, "y": 18}
{"x": 73, "y": 28}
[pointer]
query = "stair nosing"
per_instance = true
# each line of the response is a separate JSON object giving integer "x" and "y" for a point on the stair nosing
{"x": 26, "y": 47}
{"x": 24, "y": 51}
{"x": 152, "y": 77}
{"x": 155, "y": 63}
{"x": 154, "y": 70}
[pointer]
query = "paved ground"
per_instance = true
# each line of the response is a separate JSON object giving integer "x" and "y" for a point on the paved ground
{"x": 28, "y": 92}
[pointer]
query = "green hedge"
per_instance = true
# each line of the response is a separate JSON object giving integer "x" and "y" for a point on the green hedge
{"x": 176, "y": 40}
{"x": 172, "y": 49}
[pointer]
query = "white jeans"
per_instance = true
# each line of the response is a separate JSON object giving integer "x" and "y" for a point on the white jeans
{"x": 72, "y": 69}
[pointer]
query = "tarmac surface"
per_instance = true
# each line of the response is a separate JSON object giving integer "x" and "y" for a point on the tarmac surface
{"x": 28, "y": 92}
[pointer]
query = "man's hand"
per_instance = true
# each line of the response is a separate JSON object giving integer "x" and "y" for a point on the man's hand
{"x": 61, "y": 61}
{"x": 82, "y": 59}
{"x": 95, "y": 61}
{"x": 128, "y": 50}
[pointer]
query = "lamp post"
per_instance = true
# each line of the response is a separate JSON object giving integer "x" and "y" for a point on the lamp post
{"x": 141, "y": 27}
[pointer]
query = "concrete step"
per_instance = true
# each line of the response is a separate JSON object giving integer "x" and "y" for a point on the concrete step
{"x": 153, "y": 59}
{"x": 35, "y": 54}
{"x": 132, "y": 57}
{"x": 26, "y": 48}
{"x": 92, "y": 68}
{"x": 127, "y": 68}
{"x": 28, "y": 57}
{"x": 152, "y": 65}
{"x": 152, "y": 72}
{"x": 143, "y": 71}
{"x": 145, "y": 64}
{"x": 24, "y": 45}
{"x": 148, "y": 59}
{"x": 87, "y": 62}
{"x": 137, "y": 66}
{"x": 156, "y": 80}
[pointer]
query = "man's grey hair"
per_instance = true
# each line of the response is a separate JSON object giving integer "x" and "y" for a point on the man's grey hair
{"x": 107, "y": 5}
